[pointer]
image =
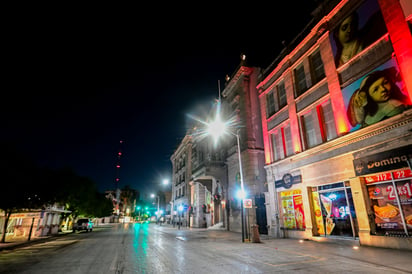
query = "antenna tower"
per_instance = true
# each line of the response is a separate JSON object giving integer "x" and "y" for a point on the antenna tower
{"x": 117, "y": 179}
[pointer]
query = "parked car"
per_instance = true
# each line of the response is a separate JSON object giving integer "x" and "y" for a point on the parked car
{"x": 83, "y": 224}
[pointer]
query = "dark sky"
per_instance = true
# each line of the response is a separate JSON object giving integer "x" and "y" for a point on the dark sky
{"x": 82, "y": 79}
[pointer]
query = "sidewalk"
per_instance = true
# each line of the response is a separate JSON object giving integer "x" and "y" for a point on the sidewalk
{"x": 20, "y": 241}
{"x": 398, "y": 260}
{"x": 13, "y": 242}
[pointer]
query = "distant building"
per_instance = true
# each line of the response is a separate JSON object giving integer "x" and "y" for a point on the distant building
{"x": 180, "y": 198}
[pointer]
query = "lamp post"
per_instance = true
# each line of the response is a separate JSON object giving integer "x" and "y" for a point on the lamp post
{"x": 216, "y": 129}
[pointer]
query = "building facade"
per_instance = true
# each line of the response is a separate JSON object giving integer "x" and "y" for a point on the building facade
{"x": 182, "y": 172}
{"x": 208, "y": 184}
{"x": 337, "y": 128}
{"x": 240, "y": 103}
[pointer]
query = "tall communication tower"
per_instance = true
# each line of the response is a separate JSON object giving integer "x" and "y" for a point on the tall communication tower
{"x": 117, "y": 178}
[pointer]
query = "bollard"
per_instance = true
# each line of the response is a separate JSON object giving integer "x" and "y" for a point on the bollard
{"x": 255, "y": 234}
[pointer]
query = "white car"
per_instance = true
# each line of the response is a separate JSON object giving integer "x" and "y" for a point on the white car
{"x": 83, "y": 224}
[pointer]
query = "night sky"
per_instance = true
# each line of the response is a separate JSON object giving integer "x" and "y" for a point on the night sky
{"x": 83, "y": 79}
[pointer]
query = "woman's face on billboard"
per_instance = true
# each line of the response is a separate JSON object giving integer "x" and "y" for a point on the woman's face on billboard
{"x": 347, "y": 30}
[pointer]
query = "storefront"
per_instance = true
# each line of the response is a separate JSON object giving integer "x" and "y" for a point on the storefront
{"x": 365, "y": 197}
{"x": 390, "y": 197}
{"x": 334, "y": 211}
{"x": 386, "y": 178}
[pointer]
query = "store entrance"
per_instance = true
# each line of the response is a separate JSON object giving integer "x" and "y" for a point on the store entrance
{"x": 334, "y": 211}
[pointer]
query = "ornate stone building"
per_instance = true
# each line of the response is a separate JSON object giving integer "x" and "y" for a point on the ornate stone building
{"x": 337, "y": 127}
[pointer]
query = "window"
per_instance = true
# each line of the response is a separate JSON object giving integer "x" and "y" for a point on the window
{"x": 288, "y": 140}
{"x": 276, "y": 99}
{"x": 318, "y": 125}
{"x": 390, "y": 194}
{"x": 317, "y": 69}
{"x": 277, "y": 142}
{"x": 270, "y": 104}
{"x": 300, "y": 79}
{"x": 282, "y": 95}
{"x": 328, "y": 125}
{"x": 292, "y": 209}
{"x": 282, "y": 144}
{"x": 310, "y": 129}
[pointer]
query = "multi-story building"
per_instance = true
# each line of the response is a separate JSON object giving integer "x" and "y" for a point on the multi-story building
{"x": 208, "y": 182}
{"x": 240, "y": 103}
{"x": 337, "y": 127}
{"x": 214, "y": 170}
{"x": 182, "y": 172}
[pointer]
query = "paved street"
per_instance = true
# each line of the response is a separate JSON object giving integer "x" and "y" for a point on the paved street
{"x": 150, "y": 248}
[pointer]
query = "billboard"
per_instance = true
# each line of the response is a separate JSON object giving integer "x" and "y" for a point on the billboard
{"x": 378, "y": 95}
{"x": 356, "y": 31}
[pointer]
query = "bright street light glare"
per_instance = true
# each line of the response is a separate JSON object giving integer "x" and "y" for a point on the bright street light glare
{"x": 152, "y": 195}
{"x": 216, "y": 129}
{"x": 165, "y": 181}
{"x": 241, "y": 194}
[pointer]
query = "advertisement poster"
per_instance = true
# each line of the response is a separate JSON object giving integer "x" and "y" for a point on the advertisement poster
{"x": 298, "y": 207}
{"x": 288, "y": 213}
{"x": 292, "y": 209}
{"x": 357, "y": 31}
{"x": 378, "y": 95}
{"x": 388, "y": 213}
{"x": 326, "y": 205}
{"x": 318, "y": 213}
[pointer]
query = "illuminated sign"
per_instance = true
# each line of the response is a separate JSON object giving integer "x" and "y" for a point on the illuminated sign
{"x": 384, "y": 161}
{"x": 288, "y": 180}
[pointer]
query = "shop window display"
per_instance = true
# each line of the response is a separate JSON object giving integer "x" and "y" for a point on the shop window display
{"x": 333, "y": 210}
{"x": 390, "y": 194}
{"x": 292, "y": 209}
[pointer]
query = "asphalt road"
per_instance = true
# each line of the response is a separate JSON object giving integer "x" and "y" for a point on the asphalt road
{"x": 149, "y": 248}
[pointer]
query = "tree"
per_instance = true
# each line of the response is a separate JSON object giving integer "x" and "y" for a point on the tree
{"x": 18, "y": 183}
{"x": 128, "y": 196}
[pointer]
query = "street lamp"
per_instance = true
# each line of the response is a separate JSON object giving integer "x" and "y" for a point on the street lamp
{"x": 216, "y": 129}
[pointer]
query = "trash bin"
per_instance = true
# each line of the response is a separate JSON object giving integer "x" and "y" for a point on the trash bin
{"x": 255, "y": 234}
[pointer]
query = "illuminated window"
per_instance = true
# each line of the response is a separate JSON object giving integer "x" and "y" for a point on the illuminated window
{"x": 282, "y": 145}
{"x": 292, "y": 209}
{"x": 386, "y": 190}
{"x": 318, "y": 125}
{"x": 310, "y": 129}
